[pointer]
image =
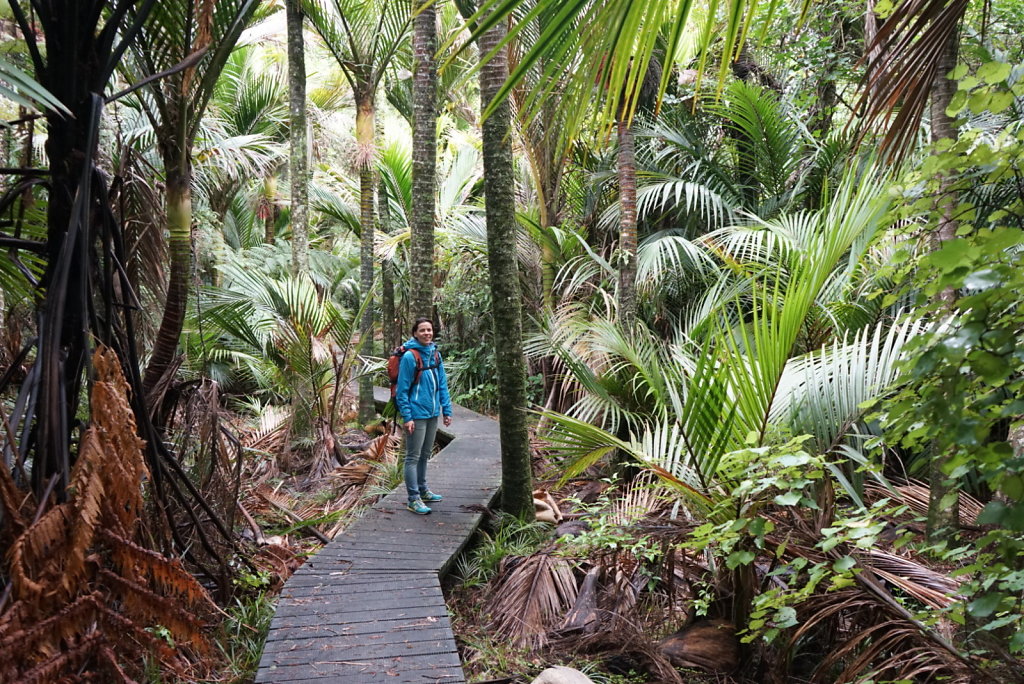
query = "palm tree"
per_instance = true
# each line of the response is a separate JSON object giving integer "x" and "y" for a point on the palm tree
{"x": 363, "y": 36}
{"x": 201, "y": 35}
{"x": 506, "y": 300}
{"x": 298, "y": 135}
{"x": 738, "y": 368}
{"x": 83, "y": 43}
{"x": 424, "y": 155}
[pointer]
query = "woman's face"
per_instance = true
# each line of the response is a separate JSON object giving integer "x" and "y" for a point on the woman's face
{"x": 424, "y": 333}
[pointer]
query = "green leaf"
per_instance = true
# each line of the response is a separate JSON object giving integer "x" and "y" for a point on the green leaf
{"x": 788, "y": 499}
{"x": 984, "y": 605}
{"x": 979, "y": 102}
{"x": 957, "y": 103}
{"x": 738, "y": 558}
{"x": 844, "y": 564}
{"x": 999, "y": 102}
{"x": 994, "y": 72}
{"x": 951, "y": 255}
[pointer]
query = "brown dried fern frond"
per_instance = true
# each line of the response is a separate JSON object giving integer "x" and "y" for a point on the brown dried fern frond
{"x": 13, "y": 503}
{"x": 165, "y": 575}
{"x": 84, "y": 592}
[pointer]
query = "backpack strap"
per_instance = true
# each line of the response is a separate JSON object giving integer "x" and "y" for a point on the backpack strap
{"x": 419, "y": 365}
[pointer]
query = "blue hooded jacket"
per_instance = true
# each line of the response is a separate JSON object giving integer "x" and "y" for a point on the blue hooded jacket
{"x": 428, "y": 398}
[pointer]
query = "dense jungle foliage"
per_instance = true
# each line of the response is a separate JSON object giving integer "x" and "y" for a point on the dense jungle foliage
{"x": 741, "y": 281}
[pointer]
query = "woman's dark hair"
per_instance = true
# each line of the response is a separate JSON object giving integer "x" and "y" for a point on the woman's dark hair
{"x": 416, "y": 324}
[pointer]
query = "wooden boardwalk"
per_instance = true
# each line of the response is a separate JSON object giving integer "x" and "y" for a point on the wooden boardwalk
{"x": 368, "y": 606}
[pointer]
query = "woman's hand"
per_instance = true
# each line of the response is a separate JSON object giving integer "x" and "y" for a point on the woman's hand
{"x": 410, "y": 427}
{"x": 447, "y": 421}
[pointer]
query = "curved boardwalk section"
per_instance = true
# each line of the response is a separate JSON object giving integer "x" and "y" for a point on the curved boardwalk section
{"x": 368, "y": 606}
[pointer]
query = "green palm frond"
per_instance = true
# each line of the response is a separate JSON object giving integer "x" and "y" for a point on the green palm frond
{"x": 767, "y": 140}
{"x": 22, "y": 89}
{"x": 659, "y": 194}
{"x": 174, "y": 31}
{"x": 362, "y": 35}
{"x": 670, "y": 256}
{"x": 822, "y": 393}
{"x": 334, "y": 206}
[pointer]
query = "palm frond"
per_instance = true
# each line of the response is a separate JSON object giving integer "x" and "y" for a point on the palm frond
{"x": 821, "y": 393}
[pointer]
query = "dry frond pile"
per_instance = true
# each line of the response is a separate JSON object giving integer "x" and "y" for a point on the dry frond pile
{"x": 87, "y": 601}
{"x": 530, "y": 598}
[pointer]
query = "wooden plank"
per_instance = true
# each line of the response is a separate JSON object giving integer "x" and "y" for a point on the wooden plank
{"x": 325, "y": 631}
{"x": 324, "y": 653}
{"x": 295, "y": 650}
{"x": 337, "y": 607}
{"x": 421, "y": 670}
{"x": 369, "y": 607}
{"x": 286, "y": 622}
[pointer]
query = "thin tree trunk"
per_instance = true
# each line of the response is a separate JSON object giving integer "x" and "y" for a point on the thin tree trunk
{"x": 626, "y": 168}
{"x": 298, "y": 166}
{"x": 389, "y": 317}
{"x": 424, "y": 161}
{"x": 179, "y": 226}
{"x": 499, "y": 179}
{"x": 270, "y": 209}
{"x": 944, "y": 499}
{"x": 365, "y": 139}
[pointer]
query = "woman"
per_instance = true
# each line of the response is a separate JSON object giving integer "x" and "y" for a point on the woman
{"x": 422, "y": 396}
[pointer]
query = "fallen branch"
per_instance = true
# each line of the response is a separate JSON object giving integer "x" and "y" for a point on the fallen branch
{"x": 295, "y": 517}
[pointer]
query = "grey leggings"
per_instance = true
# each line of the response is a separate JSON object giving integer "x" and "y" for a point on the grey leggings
{"x": 418, "y": 448}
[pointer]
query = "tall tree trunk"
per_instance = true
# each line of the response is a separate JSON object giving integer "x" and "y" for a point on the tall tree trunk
{"x": 499, "y": 180}
{"x": 298, "y": 166}
{"x": 822, "y": 111}
{"x": 626, "y": 169}
{"x": 944, "y": 499}
{"x": 365, "y": 139}
{"x": 179, "y": 227}
{"x": 390, "y": 330}
{"x": 424, "y": 160}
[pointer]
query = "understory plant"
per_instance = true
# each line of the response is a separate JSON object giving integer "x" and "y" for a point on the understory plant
{"x": 959, "y": 401}
{"x": 788, "y": 343}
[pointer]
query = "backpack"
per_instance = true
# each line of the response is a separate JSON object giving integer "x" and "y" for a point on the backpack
{"x": 395, "y": 360}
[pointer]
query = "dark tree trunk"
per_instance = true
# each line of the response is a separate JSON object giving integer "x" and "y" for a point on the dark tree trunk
{"x": 499, "y": 179}
{"x": 424, "y": 161}
{"x": 298, "y": 166}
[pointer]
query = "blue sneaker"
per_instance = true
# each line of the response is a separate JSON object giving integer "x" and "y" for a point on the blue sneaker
{"x": 417, "y": 506}
{"x": 430, "y": 496}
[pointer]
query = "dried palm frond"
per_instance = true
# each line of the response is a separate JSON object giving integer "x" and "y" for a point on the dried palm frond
{"x": 923, "y": 583}
{"x": 640, "y": 498}
{"x": 904, "y": 63}
{"x": 353, "y": 473}
{"x": 629, "y": 641}
{"x": 530, "y": 597}
{"x": 381, "y": 448}
{"x": 323, "y": 452}
{"x": 272, "y": 428}
{"x": 914, "y": 495}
